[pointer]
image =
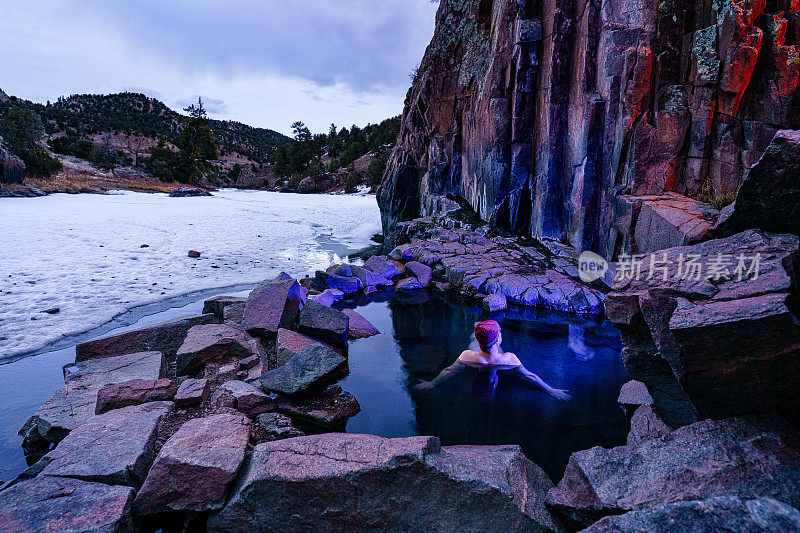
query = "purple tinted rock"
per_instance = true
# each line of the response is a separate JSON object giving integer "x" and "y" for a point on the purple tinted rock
{"x": 65, "y": 505}
{"x": 359, "y": 327}
{"x": 312, "y": 368}
{"x": 329, "y": 409}
{"x": 344, "y": 284}
{"x": 134, "y": 392}
{"x": 248, "y": 399}
{"x": 196, "y": 466}
{"x": 115, "y": 448}
{"x": 408, "y": 285}
{"x": 272, "y": 305}
{"x": 376, "y": 481}
{"x": 382, "y": 266}
{"x": 495, "y": 302}
{"x": 193, "y": 391}
{"x": 214, "y": 343}
{"x": 165, "y": 337}
{"x": 422, "y": 272}
{"x": 324, "y": 323}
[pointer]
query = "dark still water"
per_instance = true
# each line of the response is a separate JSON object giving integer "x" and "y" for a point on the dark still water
{"x": 418, "y": 341}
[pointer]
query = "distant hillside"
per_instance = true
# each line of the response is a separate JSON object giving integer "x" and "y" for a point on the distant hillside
{"x": 86, "y": 115}
{"x": 121, "y": 132}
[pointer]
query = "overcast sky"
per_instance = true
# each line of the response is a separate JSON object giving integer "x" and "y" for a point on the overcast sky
{"x": 262, "y": 62}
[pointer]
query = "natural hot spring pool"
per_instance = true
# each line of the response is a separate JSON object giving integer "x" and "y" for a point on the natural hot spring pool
{"x": 417, "y": 341}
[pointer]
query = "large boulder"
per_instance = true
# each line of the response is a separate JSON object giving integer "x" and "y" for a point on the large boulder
{"x": 358, "y": 326}
{"x": 724, "y": 513}
{"x": 116, "y": 448}
{"x": 721, "y": 341}
{"x": 67, "y": 506}
{"x": 134, "y": 392}
{"x": 747, "y": 457}
{"x": 196, "y": 466}
{"x": 76, "y": 402}
{"x": 368, "y": 278}
{"x": 289, "y": 344}
{"x": 769, "y": 197}
{"x": 324, "y": 323}
{"x": 421, "y": 271}
{"x": 165, "y": 337}
{"x": 185, "y": 192}
{"x": 274, "y": 304}
{"x": 216, "y": 343}
{"x": 367, "y": 483}
{"x": 312, "y": 368}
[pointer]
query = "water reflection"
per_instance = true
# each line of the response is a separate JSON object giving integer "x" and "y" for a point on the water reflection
{"x": 489, "y": 408}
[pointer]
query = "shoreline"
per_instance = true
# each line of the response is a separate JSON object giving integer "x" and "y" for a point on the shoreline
{"x": 125, "y": 319}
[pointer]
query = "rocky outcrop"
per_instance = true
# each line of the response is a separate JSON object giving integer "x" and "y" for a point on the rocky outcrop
{"x": 713, "y": 331}
{"x": 714, "y": 514}
{"x": 769, "y": 197}
{"x": 324, "y": 323}
{"x": 367, "y": 483}
{"x": 196, "y": 466}
{"x": 542, "y": 114}
{"x": 66, "y": 505}
{"x": 745, "y": 458}
{"x": 165, "y": 337}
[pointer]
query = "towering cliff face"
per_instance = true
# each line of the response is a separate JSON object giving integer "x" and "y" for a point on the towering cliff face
{"x": 555, "y": 117}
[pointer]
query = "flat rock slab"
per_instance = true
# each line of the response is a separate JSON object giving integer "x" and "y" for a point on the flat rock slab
{"x": 329, "y": 409}
{"x": 748, "y": 457}
{"x": 134, "y": 392}
{"x": 193, "y": 391}
{"x": 114, "y": 448}
{"x": 165, "y": 337}
{"x": 374, "y": 483}
{"x": 75, "y": 403}
{"x": 65, "y": 506}
{"x": 274, "y": 304}
{"x": 312, "y": 368}
{"x": 358, "y": 326}
{"x": 715, "y": 514}
{"x": 290, "y": 343}
{"x": 408, "y": 285}
{"x": 196, "y": 466}
{"x": 209, "y": 343}
{"x": 324, "y": 323}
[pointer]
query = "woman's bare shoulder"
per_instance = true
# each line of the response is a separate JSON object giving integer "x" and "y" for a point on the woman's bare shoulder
{"x": 511, "y": 359}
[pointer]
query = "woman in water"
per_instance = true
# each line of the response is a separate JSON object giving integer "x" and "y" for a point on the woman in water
{"x": 491, "y": 359}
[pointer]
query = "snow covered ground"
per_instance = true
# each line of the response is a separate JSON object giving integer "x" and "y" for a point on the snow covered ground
{"x": 95, "y": 256}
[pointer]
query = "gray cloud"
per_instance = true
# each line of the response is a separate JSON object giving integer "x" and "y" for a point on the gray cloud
{"x": 364, "y": 44}
{"x": 213, "y": 106}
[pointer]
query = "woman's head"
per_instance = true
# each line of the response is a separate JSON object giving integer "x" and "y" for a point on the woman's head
{"x": 487, "y": 333}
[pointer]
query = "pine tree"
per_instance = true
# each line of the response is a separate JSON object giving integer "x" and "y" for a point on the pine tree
{"x": 198, "y": 145}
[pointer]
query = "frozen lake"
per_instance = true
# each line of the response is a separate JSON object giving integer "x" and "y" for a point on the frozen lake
{"x": 97, "y": 256}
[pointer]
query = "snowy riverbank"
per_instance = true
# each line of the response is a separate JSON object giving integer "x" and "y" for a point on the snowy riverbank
{"x": 96, "y": 256}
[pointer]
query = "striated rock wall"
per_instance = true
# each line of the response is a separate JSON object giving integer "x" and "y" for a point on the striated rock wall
{"x": 541, "y": 113}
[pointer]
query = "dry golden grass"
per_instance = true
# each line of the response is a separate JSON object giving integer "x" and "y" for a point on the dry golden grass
{"x": 74, "y": 182}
